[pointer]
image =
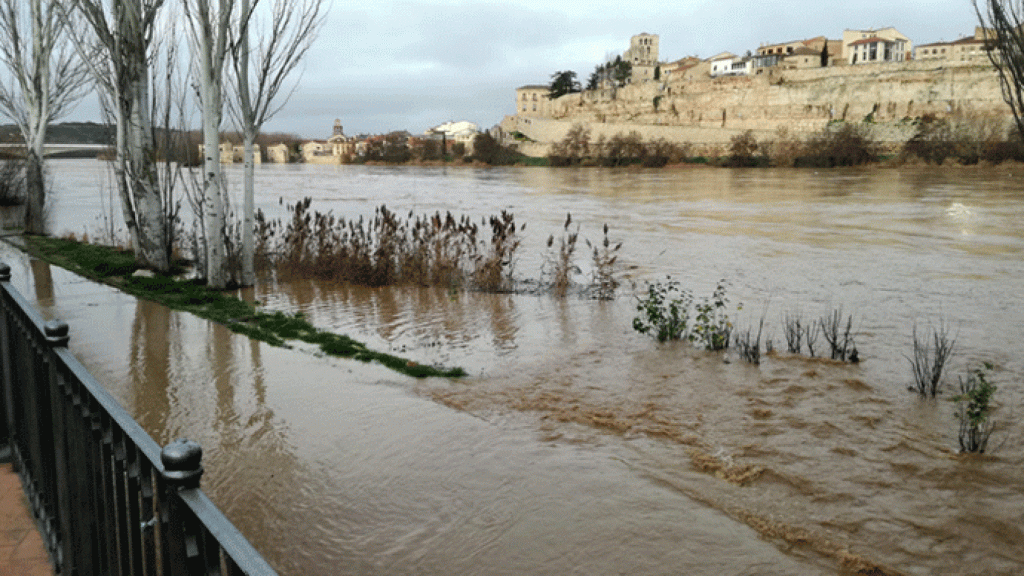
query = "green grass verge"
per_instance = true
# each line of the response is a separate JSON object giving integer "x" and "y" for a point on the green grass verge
{"x": 115, "y": 267}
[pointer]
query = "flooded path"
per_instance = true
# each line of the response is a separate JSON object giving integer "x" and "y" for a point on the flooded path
{"x": 576, "y": 445}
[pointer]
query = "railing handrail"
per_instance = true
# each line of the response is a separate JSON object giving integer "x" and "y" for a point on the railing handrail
{"x": 57, "y": 408}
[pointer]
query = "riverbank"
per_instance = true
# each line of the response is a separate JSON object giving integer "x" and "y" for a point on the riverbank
{"x": 117, "y": 268}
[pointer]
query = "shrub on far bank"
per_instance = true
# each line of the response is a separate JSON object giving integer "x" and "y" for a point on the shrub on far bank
{"x": 489, "y": 151}
{"x": 743, "y": 152}
{"x": 847, "y": 145}
{"x": 578, "y": 149}
{"x": 966, "y": 140}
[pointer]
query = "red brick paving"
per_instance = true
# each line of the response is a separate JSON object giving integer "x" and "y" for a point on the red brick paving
{"x": 21, "y": 547}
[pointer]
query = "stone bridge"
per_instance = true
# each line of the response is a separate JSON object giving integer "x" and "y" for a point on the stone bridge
{"x": 58, "y": 150}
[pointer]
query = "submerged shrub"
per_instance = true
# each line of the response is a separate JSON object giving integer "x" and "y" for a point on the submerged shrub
{"x": 664, "y": 311}
{"x": 560, "y": 266}
{"x": 748, "y": 344}
{"x": 930, "y": 358}
{"x": 839, "y": 336}
{"x": 493, "y": 268}
{"x": 437, "y": 249}
{"x": 794, "y": 331}
{"x": 605, "y": 256}
{"x": 973, "y": 410}
{"x": 711, "y": 325}
{"x": 666, "y": 314}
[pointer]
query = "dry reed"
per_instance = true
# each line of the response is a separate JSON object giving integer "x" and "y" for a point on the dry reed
{"x": 386, "y": 249}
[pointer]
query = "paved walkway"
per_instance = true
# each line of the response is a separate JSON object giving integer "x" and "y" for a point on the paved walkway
{"x": 21, "y": 547}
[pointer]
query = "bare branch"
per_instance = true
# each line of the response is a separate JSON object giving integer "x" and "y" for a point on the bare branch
{"x": 1002, "y": 23}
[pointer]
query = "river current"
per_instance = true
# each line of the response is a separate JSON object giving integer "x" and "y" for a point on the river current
{"x": 575, "y": 445}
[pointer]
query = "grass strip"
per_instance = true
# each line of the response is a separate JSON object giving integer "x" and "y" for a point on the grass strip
{"x": 115, "y": 267}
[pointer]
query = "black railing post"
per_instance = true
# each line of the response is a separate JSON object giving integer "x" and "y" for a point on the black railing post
{"x": 183, "y": 548}
{"x": 6, "y": 401}
{"x": 61, "y": 493}
{"x": 183, "y": 464}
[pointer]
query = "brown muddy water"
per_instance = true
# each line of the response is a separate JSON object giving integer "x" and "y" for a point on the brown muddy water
{"x": 577, "y": 446}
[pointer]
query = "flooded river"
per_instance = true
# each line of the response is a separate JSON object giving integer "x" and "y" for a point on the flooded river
{"x": 577, "y": 446}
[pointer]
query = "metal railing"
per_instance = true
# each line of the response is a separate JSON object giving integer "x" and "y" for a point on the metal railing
{"x": 108, "y": 499}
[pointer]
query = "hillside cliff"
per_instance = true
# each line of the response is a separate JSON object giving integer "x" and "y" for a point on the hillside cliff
{"x": 708, "y": 112}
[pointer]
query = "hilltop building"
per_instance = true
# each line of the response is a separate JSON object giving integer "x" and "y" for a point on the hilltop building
{"x": 463, "y": 132}
{"x": 797, "y": 54}
{"x": 870, "y": 46}
{"x": 341, "y": 146}
{"x": 532, "y": 100}
{"x": 642, "y": 56}
{"x": 235, "y": 153}
{"x": 967, "y": 49}
{"x": 278, "y": 153}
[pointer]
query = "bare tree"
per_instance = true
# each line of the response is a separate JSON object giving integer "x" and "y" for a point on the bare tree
{"x": 1002, "y": 23}
{"x": 211, "y": 30}
{"x": 283, "y": 33}
{"x": 123, "y": 31}
{"x": 46, "y": 78}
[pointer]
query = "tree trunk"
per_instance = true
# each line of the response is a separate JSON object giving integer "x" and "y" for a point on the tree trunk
{"x": 35, "y": 217}
{"x": 139, "y": 157}
{"x": 213, "y": 208}
{"x": 38, "y": 113}
{"x": 249, "y": 213}
{"x": 212, "y": 51}
{"x": 121, "y": 177}
{"x": 249, "y": 130}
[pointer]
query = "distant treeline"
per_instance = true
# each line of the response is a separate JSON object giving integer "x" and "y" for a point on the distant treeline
{"x": 65, "y": 133}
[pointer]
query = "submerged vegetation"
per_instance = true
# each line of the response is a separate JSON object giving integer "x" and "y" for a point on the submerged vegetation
{"x": 560, "y": 263}
{"x": 667, "y": 309}
{"x": 973, "y": 410}
{"x": 931, "y": 354}
{"x": 429, "y": 250}
{"x": 117, "y": 268}
{"x": 387, "y": 249}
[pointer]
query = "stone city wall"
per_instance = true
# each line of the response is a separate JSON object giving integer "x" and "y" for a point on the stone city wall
{"x": 708, "y": 112}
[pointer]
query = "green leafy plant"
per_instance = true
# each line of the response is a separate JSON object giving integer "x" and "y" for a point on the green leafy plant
{"x": 973, "y": 409}
{"x": 664, "y": 311}
{"x": 712, "y": 327}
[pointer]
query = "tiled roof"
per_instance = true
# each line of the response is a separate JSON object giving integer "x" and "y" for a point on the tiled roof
{"x": 871, "y": 40}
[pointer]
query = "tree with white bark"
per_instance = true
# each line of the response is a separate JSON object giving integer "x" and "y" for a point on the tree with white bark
{"x": 211, "y": 28}
{"x": 43, "y": 81}
{"x": 124, "y": 31}
{"x": 283, "y": 33}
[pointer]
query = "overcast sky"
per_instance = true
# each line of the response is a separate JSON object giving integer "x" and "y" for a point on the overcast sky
{"x": 410, "y": 65}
